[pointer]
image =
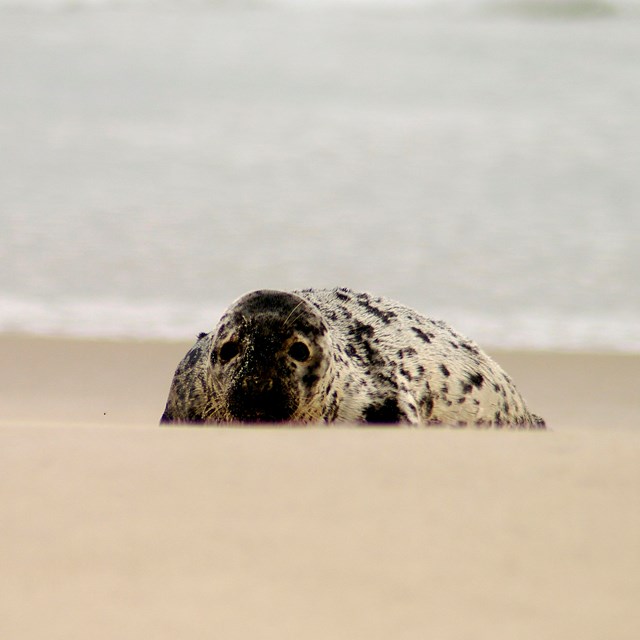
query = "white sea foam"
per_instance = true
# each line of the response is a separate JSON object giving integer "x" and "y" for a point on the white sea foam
{"x": 109, "y": 318}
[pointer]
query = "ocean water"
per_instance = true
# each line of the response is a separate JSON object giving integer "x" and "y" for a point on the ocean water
{"x": 477, "y": 160}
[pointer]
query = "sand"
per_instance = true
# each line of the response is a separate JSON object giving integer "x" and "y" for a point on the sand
{"x": 112, "y": 527}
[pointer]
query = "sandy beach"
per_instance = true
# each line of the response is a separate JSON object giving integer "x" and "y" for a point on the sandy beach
{"x": 112, "y": 527}
{"x": 473, "y": 160}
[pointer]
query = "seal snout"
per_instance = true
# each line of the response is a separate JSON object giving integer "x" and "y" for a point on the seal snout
{"x": 261, "y": 398}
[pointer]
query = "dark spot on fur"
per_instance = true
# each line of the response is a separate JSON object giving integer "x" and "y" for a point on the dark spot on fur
{"x": 444, "y": 370}
{"x": 466, "y": 388}
{"x": 426, "y": 403}
{"x": 360, "y": 331}
{"x": 373, "y": 357}
{"x": 364, "y": 301}
{"x": 461, "y": 400}
{"x": 422, "y": 335}
{"x": 454, "y": 344}
{"x": 476, "y": 379}
{"x": 406, "y": 351}
{"x": 310, "y": 379}
{"x": 386, "y": 413}
{"x": 315, "y": 331}
{"x": 386, "y": 380}
{"x": 470, "y": 347}
{"x": 332, "y": 408}
{"x": 201, "y": 335}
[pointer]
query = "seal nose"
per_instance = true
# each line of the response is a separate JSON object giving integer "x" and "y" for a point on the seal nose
{"x": 256, "y": 384}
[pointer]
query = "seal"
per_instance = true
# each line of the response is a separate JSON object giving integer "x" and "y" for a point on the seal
{"x": 334, "y": 356}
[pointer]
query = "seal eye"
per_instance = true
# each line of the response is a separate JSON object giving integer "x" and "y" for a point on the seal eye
{"x": 299, "y": 351}
{"x": 229, "y": 350}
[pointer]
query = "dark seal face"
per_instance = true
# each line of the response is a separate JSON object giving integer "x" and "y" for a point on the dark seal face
{"x": 269, "y": 358}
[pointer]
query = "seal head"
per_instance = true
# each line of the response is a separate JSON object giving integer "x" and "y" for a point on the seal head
{"x": 268, "y": 355}
{"x": 266, "y": 361}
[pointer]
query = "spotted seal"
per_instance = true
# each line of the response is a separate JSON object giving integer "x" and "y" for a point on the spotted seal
{"x": 335, "y": 356}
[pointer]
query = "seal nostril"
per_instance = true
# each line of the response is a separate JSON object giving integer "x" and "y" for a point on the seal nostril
{"x": 256, "y": 384}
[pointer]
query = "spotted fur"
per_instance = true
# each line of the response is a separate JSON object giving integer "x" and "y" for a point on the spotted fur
{"x": 331, "y": 356}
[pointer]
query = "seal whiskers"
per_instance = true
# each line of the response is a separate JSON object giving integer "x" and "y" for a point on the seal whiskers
{"x": 286, "y": 320}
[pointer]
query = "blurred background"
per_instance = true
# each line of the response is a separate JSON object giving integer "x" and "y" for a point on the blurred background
{"x": 478, "y": 160}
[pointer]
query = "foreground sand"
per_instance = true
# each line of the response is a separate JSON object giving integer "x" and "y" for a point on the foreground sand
{"x": 133, "y": 531}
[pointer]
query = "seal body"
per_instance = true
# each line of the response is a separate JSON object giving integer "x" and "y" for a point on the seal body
{"x": 335, "y": 355}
